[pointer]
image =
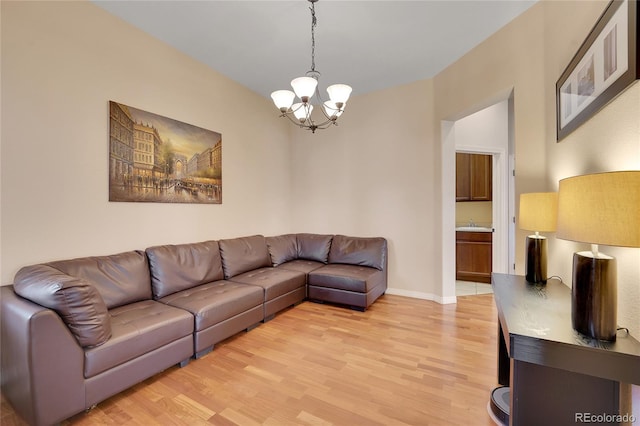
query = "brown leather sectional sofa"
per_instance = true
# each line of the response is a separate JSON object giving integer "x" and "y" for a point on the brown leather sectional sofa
{"x": 75, "y": 332}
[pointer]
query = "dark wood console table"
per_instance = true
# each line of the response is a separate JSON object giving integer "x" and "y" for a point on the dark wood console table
{"x": 556, "y": 374}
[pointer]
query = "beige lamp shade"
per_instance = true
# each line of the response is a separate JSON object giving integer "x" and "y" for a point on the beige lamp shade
{"x": 538, "y": 211}
{"x": 601, "y": 208}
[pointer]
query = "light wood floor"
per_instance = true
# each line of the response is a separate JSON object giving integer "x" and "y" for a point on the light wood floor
{"x": 402, "y": 362}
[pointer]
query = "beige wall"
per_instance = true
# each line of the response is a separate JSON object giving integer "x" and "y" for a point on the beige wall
{"x": 61, "y": 64}
{"x": 480, "y": 212}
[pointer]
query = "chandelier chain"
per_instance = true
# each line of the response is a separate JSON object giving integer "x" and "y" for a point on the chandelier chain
{"x": 314, "y": 22}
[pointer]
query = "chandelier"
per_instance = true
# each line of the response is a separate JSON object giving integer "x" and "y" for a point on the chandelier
{"x": 305, "y": 87}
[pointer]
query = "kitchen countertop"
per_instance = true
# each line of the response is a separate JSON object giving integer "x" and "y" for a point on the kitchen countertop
{"x": 473, "y": 229}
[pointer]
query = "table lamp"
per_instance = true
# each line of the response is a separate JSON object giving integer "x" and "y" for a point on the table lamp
{"x": 538, "y": 212}
{"x": 601, "y": 208}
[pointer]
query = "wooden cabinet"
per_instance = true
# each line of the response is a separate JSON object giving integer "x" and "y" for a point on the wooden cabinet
{"x": 463, "y": 177}
{"x": 473, "y": 177}
{"x": 473, "y": 256}
{"x": 481, "y": 177}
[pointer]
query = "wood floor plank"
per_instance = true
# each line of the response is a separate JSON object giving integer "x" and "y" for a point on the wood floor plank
{"x": 402, "y": 362}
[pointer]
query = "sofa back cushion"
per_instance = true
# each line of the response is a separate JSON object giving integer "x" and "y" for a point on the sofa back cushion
{"x": 370, "y": 252}
{"x": 314, "y": 247}
{"x": 282, "y": 249}
{"x": 243, "y": 254}
{"x": 179, "y": 267}
{"x": 120, "y": 278}
{"x": 76, "y": 300}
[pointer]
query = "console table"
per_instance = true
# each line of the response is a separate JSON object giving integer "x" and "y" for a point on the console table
{"x": 556, "y": 375}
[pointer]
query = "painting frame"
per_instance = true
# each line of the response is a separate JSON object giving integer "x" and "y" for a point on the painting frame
{"x": 603, "y": 67}
{"x": 156, "y": 159}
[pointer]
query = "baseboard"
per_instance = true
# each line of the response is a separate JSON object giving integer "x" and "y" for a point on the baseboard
{"x": 421, "y": 295}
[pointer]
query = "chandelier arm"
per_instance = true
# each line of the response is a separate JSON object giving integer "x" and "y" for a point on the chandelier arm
{"x": 322, "y": 105}
{"x": 309, "y": 124}
{"x": 292, "y": 118}
{"x": 325, "y": 114}
{"x": 326, "y": 124}
{"x": 291, "y": 111}
{"x": 288, "y": 115}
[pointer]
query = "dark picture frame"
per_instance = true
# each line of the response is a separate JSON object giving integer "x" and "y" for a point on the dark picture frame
{"x": 604, "y": 66}
{"x": 157, "y": 159}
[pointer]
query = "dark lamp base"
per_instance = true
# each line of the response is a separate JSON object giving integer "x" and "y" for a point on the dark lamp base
{"x": 594, "y": 296}
{"x": 536, "y": 259}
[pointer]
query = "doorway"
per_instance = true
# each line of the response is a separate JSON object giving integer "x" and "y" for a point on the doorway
{"x": 487, "y": 131}
{"x": 474, "y": 223}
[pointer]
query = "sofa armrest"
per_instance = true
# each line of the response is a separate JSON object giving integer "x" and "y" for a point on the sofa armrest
{"x": 41, "y": 361}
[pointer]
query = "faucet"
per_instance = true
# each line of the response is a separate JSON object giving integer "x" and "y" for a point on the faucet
{"x": 472, "y": 223}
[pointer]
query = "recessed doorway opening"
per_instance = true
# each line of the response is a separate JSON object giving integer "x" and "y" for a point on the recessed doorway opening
{"x": 488, "y": 134}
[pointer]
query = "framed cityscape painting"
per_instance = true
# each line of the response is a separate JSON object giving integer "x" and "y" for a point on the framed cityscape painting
{"x": 604, "y": 66}
{"x": 160, "y": 160}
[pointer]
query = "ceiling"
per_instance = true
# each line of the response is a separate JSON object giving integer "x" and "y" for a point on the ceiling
{"x": 370, "y": 45}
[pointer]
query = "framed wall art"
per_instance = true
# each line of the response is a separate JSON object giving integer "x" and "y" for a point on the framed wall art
{"x": 157, "y": 159}
{"x": 605, "y": 65}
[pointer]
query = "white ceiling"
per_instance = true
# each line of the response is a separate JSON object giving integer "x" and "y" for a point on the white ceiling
{"x": 369, "y": 45}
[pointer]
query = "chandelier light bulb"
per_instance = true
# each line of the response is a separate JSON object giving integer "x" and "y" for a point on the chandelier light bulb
{"x": 339, "y": 94}
{"x": 283, "y": 99}
{"x": 304, "y": 87}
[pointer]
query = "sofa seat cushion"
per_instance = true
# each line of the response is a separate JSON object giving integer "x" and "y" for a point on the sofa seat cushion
{"x": 301, "y": 265}
{"x": 215, "y": 302}
{"x": 136, "y": 329}
{"x": 275, "y": 281}
{"x": 360, "y": 279}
